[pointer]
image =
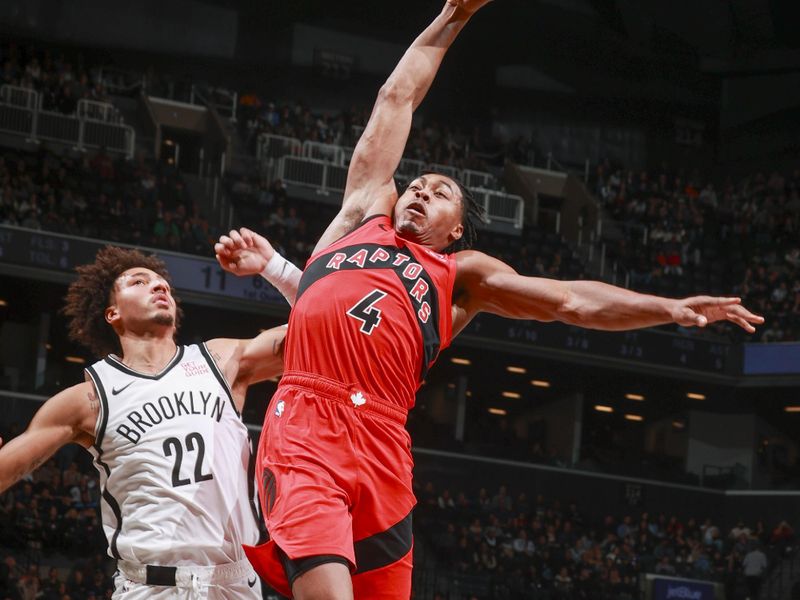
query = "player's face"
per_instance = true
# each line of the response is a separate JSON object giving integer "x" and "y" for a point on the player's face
{"x": 142, "y": 297}
{"x": 429, "y": 212}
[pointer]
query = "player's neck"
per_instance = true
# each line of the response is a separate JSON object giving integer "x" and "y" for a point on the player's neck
{"x": 147, "y": 355}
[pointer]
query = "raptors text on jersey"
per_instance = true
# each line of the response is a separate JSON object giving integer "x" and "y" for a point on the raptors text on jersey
{"x": 374, "y": 310}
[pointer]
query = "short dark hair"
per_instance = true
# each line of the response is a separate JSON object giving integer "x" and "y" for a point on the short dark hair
{"x": 88, "y": 297}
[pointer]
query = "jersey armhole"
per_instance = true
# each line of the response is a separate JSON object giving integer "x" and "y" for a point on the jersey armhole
{"x": 215, "y": 369}
{"x": 102, "y": 413}
{"x": 447, "y": 309}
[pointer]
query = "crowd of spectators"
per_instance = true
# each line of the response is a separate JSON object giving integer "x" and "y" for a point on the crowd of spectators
{"x": 503, "y": 544}
{"x": 60, "y": 82}
{"x": 681, "y": 234}
{"x": 51, "y": 538}
{"x": 96, "y": 196}
{"x": 684, "y": 234}
{"x": 431, "y": 141}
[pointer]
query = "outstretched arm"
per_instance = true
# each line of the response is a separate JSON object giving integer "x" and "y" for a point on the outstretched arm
{"x": 64, "y": 418}
{"x": 486, "y": 284}
{"x": 249, "y": 361}
{"x": 370, "y": 187}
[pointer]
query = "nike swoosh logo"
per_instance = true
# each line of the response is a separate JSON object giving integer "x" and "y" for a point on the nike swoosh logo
{"x": 252, "y": 583}
{"x": 115, "y": 391}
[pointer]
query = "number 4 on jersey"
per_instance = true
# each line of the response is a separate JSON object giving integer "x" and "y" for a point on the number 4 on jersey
{"x": 366, "y": 311}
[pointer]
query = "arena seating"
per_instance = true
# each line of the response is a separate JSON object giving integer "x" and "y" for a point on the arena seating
{"x": 503, "y": 544}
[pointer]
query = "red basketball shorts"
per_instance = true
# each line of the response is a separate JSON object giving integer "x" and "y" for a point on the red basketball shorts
{"x": 334, "y": 468}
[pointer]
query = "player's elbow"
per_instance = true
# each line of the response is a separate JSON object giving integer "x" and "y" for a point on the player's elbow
{"x": 570, "y": 309}
{"x": 397, "y": 91}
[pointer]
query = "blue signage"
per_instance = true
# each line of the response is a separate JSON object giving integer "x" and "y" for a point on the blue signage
{"x": 681, "y": 589}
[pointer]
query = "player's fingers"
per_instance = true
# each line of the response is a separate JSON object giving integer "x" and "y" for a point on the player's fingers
{"x": 226, "y": 241}
{"x": 699, "y": 320}
{"x": 247, "y": 236}
{"x": 746, "y": 314}
{"x": 223, "y": 250}
{"x": 734, "y": 318}
{"x": 237, "y": 239}
{"x": 722, "y": 301}
{"x": 227, "y": 264}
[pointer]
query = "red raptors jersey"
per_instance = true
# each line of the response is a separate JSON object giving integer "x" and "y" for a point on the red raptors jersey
{"x": 374, "y": 310}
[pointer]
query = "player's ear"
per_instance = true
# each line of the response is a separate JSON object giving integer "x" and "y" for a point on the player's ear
{"x": 455, "y": 233}
{"x": 111, "y": 314}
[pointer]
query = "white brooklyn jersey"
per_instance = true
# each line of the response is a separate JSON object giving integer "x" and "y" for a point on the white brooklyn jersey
{"x": 174, "y": 459}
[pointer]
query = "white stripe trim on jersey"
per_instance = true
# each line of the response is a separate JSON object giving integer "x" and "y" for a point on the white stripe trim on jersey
{"x": 218, "y": 374}
{"x": 115, "y": 362}
{"x": 97, "y": 448}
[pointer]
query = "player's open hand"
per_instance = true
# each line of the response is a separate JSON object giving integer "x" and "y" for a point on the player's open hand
{"x": 699, "y": 311}
{"x": 243, "y": 252}
{"x": 470, "y": 6}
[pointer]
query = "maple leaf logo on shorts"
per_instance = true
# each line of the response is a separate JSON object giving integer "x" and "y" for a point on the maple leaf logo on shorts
{"x": 358, "y": 399}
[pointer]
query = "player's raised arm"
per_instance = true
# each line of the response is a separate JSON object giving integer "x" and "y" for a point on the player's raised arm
{"x": 487, "y": 284}
{"x": 370, "y": 187}
{"x": 66, "y": 417}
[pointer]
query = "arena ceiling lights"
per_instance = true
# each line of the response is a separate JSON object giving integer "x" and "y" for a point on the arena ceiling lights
{"x": 638, "y": 397}
{"x": 498, "y": 411}
{"x": 792, "y": 409}
{"x": 630, "y": 417}
{"x": 695, "y": 396}
{"x": 540, "y": 383}
{"x": 3, "y": 302}
{"x": 460, "y": 361}
{"x": 512, "y": 395}
{"x": 75, "y": 359}
{"x": 603, "y": 408}
{"x": 520, "y": 370}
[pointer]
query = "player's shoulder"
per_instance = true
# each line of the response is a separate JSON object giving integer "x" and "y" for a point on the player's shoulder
{"x": 469, "y": 260}
{"x": 75, "y": 392}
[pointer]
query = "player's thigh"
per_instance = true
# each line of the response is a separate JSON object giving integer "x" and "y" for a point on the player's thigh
{"x": 390, "y": 582}
{"x": 382, "y": 523}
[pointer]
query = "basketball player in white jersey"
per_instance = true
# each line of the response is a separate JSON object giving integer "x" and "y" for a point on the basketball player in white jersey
{"x": 163, "y": 424}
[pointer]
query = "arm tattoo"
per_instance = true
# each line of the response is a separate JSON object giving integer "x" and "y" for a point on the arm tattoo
{"x": 94, "y": 403}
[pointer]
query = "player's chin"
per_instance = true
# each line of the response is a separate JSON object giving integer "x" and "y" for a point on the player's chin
{"x": 164, "y": 317}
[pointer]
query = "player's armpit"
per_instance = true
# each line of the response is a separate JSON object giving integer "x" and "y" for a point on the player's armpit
{"x": 358, "y": 205}
{"x": 64, "y": 418}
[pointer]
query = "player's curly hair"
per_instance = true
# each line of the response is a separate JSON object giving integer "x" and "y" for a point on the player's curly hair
{"x": 88, "y": 297}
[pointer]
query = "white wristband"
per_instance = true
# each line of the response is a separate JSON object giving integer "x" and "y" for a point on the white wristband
{"x": 283, "y": 275}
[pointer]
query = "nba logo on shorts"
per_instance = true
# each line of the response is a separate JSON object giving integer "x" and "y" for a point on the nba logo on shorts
{"x": 279, "y": 408}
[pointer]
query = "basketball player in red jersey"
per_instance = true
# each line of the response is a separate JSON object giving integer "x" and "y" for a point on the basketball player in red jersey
{"x": 380, "y": 297}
